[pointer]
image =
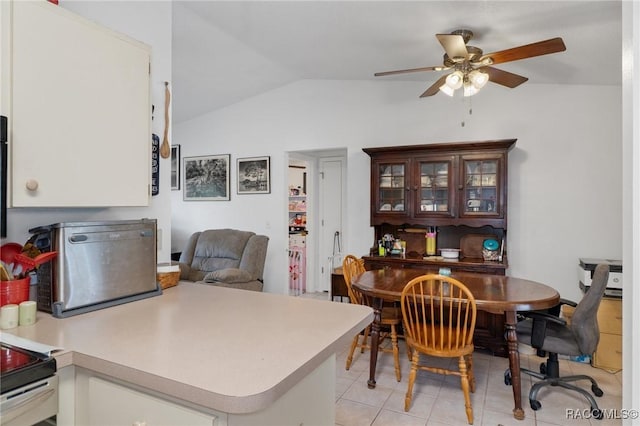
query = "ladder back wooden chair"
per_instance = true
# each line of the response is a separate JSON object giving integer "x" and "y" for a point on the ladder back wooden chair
{"x": 439, "y": 316}
{"x": 391, "y": 317}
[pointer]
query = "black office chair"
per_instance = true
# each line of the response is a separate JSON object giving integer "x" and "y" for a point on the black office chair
{"x": 551, "y": 334}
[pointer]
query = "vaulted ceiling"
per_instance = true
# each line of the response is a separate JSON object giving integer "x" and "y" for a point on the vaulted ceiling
{"x": 228, "y": 51}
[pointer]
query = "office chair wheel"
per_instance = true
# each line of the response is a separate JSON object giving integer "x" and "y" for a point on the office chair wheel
{"x": 535, "y": 404}
{"x": 596, "y": 390}
{"x": 597, "y": 414}
{"x": 507, "y": 378}
{"x": 543, "y": 368}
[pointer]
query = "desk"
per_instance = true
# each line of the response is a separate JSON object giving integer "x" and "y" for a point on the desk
{"x": 338, "y": 286}
{"x": 497, "y": 294}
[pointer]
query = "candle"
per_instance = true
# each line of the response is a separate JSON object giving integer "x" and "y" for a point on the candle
{"x": 9, "y": 316}
{"x": 27, "y": 313}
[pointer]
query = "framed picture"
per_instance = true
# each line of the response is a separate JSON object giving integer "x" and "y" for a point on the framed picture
{"x": 254, "y": 175}
{"x": 206, "y": 178}
{"x": 175, "y": 167}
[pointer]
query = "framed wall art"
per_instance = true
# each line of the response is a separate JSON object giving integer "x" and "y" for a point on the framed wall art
{"x": 175, "y": 167}
{"x": 206, "y": 178}
{"x": 254, "y": 175}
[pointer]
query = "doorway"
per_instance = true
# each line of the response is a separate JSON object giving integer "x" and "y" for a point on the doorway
{"x": 325, "y": 172}
{"x": 330, "y": 209}
{"x": 297, "y": 225}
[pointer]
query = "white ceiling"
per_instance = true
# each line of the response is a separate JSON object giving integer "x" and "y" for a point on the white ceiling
{"x": 227, "y": 51}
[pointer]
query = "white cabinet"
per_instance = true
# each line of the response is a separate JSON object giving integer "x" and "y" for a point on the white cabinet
{"x": 88, "y": 398}
{"x": 78, "y": 100}
{"x": 113, "y": 404}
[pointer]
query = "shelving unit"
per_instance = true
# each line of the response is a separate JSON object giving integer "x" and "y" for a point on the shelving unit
{"x": 297, "y": 213}
{"x": 297, "y": 241}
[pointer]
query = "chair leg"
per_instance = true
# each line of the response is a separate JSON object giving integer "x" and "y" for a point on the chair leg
{"x": 585, "y": 393}
{"x": 396, "y": 352}
{"x": 594, "y": 384}
{"x": 564, "y": 382}
{"x": 472, "y": 377}
{"x": 464, "y": 382}
{"x": 354, "y": 344}
{"x": 530, "y": 373}
{"x": 412, "y": 378}
{"x": 364, "y": 341}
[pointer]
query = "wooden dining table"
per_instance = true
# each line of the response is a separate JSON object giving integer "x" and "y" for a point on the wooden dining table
{"x": 497, "y": 294}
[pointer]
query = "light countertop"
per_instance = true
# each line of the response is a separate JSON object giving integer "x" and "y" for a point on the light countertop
{"x": 234, "y": 351}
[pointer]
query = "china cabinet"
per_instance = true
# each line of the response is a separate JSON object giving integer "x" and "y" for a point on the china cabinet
{"x": 457, "y": 189}
{"x": 440, "y": 184}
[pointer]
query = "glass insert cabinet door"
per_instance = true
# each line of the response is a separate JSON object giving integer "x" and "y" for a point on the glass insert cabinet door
{"x": 392, "y": 187}
{"x": 435, "y": 188}
{"x": 481, "y": 186}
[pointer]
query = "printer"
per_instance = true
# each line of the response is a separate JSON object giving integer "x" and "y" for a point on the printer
{"x": 614, "y": 284}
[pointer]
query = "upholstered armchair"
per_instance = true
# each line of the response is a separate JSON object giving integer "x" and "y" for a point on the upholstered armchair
{"x": 226, "y": 258}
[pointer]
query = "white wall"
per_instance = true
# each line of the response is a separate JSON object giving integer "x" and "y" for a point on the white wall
{"x": 150, "y": 23}
{"x": 564, "y": 173}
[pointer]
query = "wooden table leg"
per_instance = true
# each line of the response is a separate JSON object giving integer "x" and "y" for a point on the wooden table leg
{"x": 514, "y": 363}
{"x": 375, "y": 340}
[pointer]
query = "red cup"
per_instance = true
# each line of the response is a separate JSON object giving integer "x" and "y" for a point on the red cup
{"x": 15, "y": 291}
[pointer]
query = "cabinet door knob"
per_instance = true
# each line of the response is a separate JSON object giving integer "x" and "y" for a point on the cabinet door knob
{"x": 460, "y": 187}
{"x": 32, "y": 185}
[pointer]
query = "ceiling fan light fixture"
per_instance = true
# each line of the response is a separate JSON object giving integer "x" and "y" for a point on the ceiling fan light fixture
{"x": 447, "y": 90}
{"x": 454, "y": 80}
{"x": 478, "y": 78}
{"x": 469, "y": 89}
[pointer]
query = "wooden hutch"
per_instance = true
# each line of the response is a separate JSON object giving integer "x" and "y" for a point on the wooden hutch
{"x": 460, "y": 189}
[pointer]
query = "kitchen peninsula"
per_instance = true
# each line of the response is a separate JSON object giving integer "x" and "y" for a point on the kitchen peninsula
{"x": 208, "y": 355}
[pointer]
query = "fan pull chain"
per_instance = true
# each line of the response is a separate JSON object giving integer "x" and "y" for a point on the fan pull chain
{"x": 462, "y": 123}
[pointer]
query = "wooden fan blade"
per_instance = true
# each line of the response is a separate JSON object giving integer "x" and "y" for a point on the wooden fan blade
{"x": 380, "y": 74}
{"x": 504, "y": 78}
{"x": 527, "y": 51}
{"x": 454, "y": 46}
{"x": 435, "y": 87}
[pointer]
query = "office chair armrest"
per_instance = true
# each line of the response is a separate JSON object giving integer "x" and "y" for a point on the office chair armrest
{"x": 544, "y": 317}
{"x": 539, "y": 326}
{"x": 568, "y": 302}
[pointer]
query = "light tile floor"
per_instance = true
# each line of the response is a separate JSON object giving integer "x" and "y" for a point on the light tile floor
{"x": 438, "y": 400}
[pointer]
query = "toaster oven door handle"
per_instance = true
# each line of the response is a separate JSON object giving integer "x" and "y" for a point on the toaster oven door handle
{"x": 19, "y": 405}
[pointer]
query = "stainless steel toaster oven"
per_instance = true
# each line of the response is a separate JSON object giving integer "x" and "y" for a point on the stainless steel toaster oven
{"x": 99, "y": 264}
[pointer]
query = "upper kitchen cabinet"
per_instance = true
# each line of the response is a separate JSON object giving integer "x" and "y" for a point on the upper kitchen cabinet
{"x": 78, "y": 100}
{"x": 440, "y": 184}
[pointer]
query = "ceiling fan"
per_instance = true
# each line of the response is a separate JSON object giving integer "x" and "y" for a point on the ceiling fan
{"x": 471, "y": 70}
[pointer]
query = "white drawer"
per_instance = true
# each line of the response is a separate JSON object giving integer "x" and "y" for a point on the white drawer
{"x": 113, "y": 404}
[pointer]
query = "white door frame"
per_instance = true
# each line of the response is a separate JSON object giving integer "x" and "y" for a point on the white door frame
{"x": 314, "y": 272}
{"x": 327, "y": 236}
